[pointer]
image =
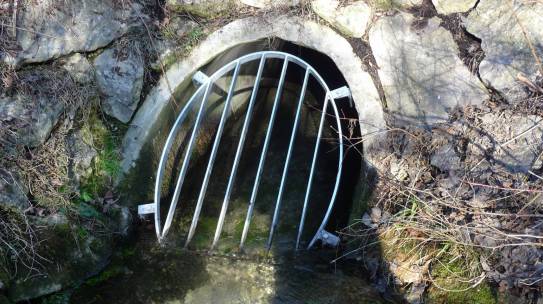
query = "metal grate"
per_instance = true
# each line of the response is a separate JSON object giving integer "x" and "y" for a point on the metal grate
{"x": 205, "y": 85}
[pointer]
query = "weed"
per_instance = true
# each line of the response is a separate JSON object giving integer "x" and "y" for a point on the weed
{"x": 18, "y": 244}
{"x": 449, "y": 274}
{"x": 45, "y": 172}
{"x": 87, "y": 211}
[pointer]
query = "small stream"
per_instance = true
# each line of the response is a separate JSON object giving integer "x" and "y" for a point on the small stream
{"x": 146, "y": 273}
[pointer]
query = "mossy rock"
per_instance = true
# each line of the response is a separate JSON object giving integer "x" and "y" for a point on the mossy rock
{"x": 75, "y": 256}
{"x": 106, "y": 164}
{"x": 202, "y": 8}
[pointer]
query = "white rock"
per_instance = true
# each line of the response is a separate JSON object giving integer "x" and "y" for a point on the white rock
{"x": 376, "y": 214}
{"x": 350, "y": 20}
{"x": 79, "y": 67}
{"x": 517, "y": 140}
{"x": 49, "y": 30}
{"x": 422, "y": 76}
{"x": 119, "y": 75}
{"x": 399, "y": 170}
{"x": 507, "y": 51}
{"x": 366, "y": 220}
{"x": 34, "y": 116}
{"x": 446, "y": 7}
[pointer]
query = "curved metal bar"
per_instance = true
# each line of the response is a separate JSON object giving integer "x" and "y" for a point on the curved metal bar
{"x": 263, "y": 153}
{"x": 213, "y": 155}
{"x": 163, "y": 158}
{"x": 287, "y": 161}
{"x": 338, "y": 179}
{"x": 313, "y": 163}
{"x": 161, "y": 233}
{"x": 239, "y": 151}
{"x": 186, "y": 161}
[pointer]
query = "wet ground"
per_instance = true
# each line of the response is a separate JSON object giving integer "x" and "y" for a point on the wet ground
{"x": 148, "y": 273}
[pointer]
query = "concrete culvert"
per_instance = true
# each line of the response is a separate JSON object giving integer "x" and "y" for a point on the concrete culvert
{"x": 338, "y": 159}
{"x": 252, "y": 156}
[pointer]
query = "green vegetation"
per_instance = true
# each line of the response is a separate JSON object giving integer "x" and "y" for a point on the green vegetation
{"x": 110, "y": 272}
{"x": 106, "y": 166}
{"x": 205, "y": 232}
{"x": 482, "y": 294}
{"x": 206, "y": 10}
{"x": 383, "y": 5}
{"x": 195, "y": 35}
{"x": 187, "y": 43}
{"x": 87, "y": 211}
{"x": 56, "y": 298}
{"x": 454, "y": 274}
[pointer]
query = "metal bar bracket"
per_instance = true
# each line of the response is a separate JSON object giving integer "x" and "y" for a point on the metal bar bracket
{"x": 343, "y": 92}
{"x": 199, "y": 78}
{"x": 146, "y": 209}
{"x": 328, "y": 239}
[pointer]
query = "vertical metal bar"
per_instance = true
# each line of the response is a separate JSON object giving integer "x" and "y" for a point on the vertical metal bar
{"x": 263, "y": 153}
{"x": 186, "y": 161}
{"x": 313, "y": 163}
{"x": 239, "y": 152}
{"x": 163, "y": 158}
{"x": 213, "y": 155}
{"x": 338, "y": 178}
{"x": 289, "y": 153}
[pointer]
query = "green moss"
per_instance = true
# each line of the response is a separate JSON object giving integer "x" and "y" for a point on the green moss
{"x": 482, "y": 294}
{"x": 195, "y": 35}
{"x": 88, "y": 211}
{"x": 57, "y": 298}
{"x": 188, "y": 42}
{"x": 128, "y": 252}
{"x": 451, "y": 272}
{"x": 205, "y": 10}
{"x": 205, "y": 232}
{"x": 388, "y": 5}
{"x": 106, "y": 166}
{"x": 105, "y": 275}
{"x": 382, "y": 5}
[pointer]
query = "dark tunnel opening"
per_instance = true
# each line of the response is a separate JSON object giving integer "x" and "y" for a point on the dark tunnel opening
{"x": 298, "y": 171}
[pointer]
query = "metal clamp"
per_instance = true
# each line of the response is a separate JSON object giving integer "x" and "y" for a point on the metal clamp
{"x": 343, "y": 92}
{"x": 146, "y": 209}
{"x": 199, "y": 78}
{"x": 328, "y": 239}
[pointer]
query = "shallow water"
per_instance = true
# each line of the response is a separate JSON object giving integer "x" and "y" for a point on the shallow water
{"x": 148, "y": 273}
